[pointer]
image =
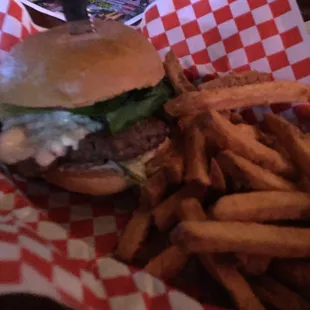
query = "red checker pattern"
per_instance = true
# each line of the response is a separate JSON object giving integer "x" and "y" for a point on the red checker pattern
{"x": 53, "y": 256}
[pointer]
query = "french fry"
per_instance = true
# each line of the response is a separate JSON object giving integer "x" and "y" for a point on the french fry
{"x": 195, "y": 157}
{"x": 292, "y": 272}
{"x": 253, "y": 264}
{"x": 133, "y": 235}
{"x": 249, "y": 130}
{"x": 263, "y": 206}
{"x": 153, "y": 192}
{"x": 228, "y": 136}
{"x": 236, "y": 79}
{"x": 191, "y": 210}
{"x": 238, "y": 97}
{"x": 168, "y": 264}
{"x": 235, "y": 284}
{"x": 248, "y": 238}
{"x": 176, "y": 75}
{"x": 217, "y": 177}
{"x": 249, "y": 174}
{"x": 173, "y": 166}
{"x": 185, "y": 121}
{"x": 165, "y": 214}
{"x": 292, "y": 139}
{"x": 277, "y": 295}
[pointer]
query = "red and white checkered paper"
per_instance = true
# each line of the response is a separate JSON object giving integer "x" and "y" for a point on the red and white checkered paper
{"x": 60, "y": 245}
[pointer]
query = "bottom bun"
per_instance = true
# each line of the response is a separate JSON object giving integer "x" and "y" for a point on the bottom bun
{"x": 98, "y": 182}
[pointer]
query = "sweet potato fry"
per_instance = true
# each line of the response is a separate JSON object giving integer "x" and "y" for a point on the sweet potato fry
{"x": 176, "y": 75}
{"x": 190, "y": 209}
{"x": 236, "y": 79}
{"x": 234, "y": 282}
{"x": 293, "y": 140}
{"x": 195, "y": 157}
{"x": 134, "y": 235}
{"x": 249, "y": 130}
{"x": 217, "y": 177}
{"x": 274, "y": 294}
{"x": 153, "y": 192}
{"x": 168, "y": 264}
{"x": 229, "y": 136}
{"x": 292, "y": 272}
{"x": 165, "y": 214}
{"x": 263, "y": 206}
{"x": 249, "y": 238}
{"x": 238, "y": 97}
{"x": 253, "y": 264}
{"x": 173, "y": 165}
{"x": 243, "y": 171}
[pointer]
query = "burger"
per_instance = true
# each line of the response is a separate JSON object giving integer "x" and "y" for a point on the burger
{"x": 83, "y": 111}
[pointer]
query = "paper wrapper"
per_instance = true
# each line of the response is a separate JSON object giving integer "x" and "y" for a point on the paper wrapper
{"x": 61, "y": 244}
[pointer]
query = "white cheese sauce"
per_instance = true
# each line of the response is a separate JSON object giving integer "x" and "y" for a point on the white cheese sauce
{"x": 43, "y": 136}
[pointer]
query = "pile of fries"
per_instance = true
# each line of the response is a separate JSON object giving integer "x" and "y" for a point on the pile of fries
{"x": 234, "y": 196}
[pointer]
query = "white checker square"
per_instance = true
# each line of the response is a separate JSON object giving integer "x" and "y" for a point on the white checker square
{"x": 206, "y": 22}
{"x": 128, "y": 302}
{"x": 80, "y": 212}
{"x": 186, "y": 14}
{"x": 180, "y": 301}
{"x": 68, "y": 282}
{"x": 261, "y": 64}
{"x": 7, "y": 201}
{"x": 217, "y": 4}
{"x": 4, "y": 4}
{"x": 228, "y": 29}
{"x": 52, "y": 231}
{"x": 164, "y": 8}
{"x": 175, "y": 35}
{"x": 9, "y": 251}
{"x": 284, "y": 74}
{"x": 259, "y": 112}
{"x": 27, "y": 214}
{"x": 110, "y": 268}
{"x": 237, "y": 58}
{"x": 162, "y": 53}
{"x": 288, "y": 114}
{"x": 104, "y": 225}
{"x": 78, "y": 249}
{"x": 239, "y": 7}
{"x": 8, "y": 228}
{"x": 36, "y": 247}
{"x": 3, "y": 54}
{"x": 196, "y": 43}
{"x": 155, "y": 27}
{"x": 273, "y": 45}
{"x": 93, "y": 284}
{"x": 305, "y": 80}
{"x": 36, "y": 283}
{"x": 216, "y": 51}
{"x": 26, "y": 20}
{"x": 262, "y": 14}
{"x": 285, "y": 22}
{"x": 206, "y": 69}
{"x": 186, "y": 61}
{"x": 148, "y": 284}
{"x": 249, "y": 36}
{"x": 297, "y": 53}
{"x": 12, "y": 26}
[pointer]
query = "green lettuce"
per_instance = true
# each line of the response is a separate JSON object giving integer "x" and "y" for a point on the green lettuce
{"x": 119, "y": 112}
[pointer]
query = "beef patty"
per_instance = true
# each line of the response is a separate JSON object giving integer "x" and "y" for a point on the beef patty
{"x": 98, "y": 147}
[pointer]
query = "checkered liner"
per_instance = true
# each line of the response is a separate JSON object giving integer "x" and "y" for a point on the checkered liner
{"x": 61, "y": 246}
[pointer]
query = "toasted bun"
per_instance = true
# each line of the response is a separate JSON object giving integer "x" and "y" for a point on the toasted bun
{"x": 56, "y": 69}
{"x": 92, "y": 182}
